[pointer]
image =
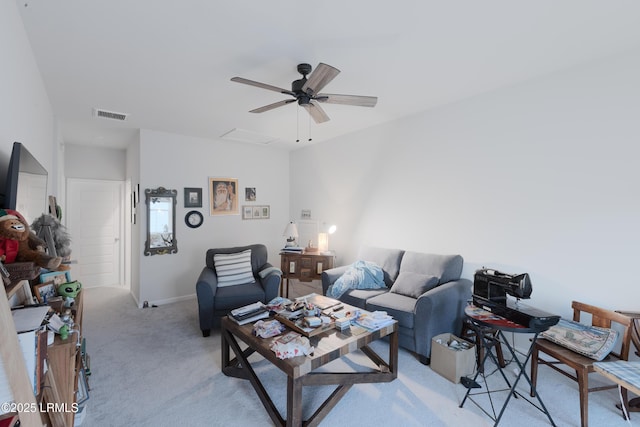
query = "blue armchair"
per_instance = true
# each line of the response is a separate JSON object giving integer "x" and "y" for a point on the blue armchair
{"x": 216, "y": 299}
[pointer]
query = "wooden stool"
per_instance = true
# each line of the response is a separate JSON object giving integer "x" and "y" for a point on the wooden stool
{"x": 472, "y": 332}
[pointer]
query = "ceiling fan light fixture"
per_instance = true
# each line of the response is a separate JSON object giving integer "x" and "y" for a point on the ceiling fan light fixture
{"x": 306, "y": 92}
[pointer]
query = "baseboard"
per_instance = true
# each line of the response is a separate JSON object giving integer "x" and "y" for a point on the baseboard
{"x": 166, "y": 300}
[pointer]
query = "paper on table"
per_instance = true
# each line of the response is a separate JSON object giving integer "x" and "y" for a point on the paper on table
{"x": 29, "y": 318}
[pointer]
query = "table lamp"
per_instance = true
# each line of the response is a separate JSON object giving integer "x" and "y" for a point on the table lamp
{"x": 323, "y": 236}
{"x": 291, "y": 233}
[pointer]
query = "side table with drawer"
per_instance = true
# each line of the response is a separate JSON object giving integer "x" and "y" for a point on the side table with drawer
{"x": 304, "y": 266}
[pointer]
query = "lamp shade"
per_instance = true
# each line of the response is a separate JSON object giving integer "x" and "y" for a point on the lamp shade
{"x": 329, "y": 228}
{"x": 323, "y": 236}
{"x": 291, "y": 230}
{"x": 291, "y": 233}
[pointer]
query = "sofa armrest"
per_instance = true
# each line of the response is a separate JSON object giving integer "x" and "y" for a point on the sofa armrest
{"x": 440, "y": 310}
{"x": 206, "y": 287}
{"x": 270, "y": 282}
{"x": 330, "y": 276}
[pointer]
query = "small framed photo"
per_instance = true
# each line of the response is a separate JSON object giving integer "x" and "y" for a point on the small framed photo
{"x": 250, "y": 194}
{"x": 192, "y": 197}
{"x": 45, "y": 291}
{"x": 56, "y": 277}
{"x": 247, "y": 212}
{"x": 256, "y": 212}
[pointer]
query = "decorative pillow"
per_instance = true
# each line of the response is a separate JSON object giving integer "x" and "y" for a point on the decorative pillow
{"x": 590, "y": 341}
{"x": 234, "y": 269}
{"x": 413, "y": 284}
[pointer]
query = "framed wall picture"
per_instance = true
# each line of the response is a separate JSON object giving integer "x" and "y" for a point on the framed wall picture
{"x": 256, "y": 212}
{"x": 247, "y": 212}
{"x": 250, "y": 194}
{"x": 45, "y": 291}
{"x": 192, "y": 197}
{"x": 223, "y": 196}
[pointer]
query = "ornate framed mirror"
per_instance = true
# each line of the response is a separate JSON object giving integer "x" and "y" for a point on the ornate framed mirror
{"x": 161, "y": 221}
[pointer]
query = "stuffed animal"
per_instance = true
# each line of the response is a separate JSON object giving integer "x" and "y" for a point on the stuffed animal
{"x": 69, "y": 291}
{"x": 61, "y": 238}
{"x": 18, "y": 244}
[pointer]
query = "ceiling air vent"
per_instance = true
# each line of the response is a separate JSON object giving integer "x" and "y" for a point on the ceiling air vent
{"x": 97, "y": 112}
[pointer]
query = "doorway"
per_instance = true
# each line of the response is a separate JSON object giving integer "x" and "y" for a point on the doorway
{"x": 95, "y": 221}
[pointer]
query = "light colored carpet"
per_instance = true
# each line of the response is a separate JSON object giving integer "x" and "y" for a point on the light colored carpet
{"x": 152, "y": 367}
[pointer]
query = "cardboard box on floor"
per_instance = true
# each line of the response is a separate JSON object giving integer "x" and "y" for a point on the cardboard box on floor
{"x": 452, "y": 364}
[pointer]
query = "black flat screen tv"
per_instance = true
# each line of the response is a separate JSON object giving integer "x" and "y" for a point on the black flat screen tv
{"x": 26, "y": 184}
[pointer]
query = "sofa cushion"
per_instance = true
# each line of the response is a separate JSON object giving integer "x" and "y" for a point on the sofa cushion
{"x": 445, "y": 267}
{"x": 591, "y": 341}
{"x": 233, "y": 269}
{"x": 358, "y": 297}
{"x": 412, "y": 284}
{"x": 398, "y": 306}
{"x": 387, "y": 259}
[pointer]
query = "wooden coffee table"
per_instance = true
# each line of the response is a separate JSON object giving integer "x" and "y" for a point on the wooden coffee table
{"x": 329, "y": 345}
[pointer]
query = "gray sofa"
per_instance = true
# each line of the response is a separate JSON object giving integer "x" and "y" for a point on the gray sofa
{"x": 216, "y": 301}
{"x": 421, "y": 315}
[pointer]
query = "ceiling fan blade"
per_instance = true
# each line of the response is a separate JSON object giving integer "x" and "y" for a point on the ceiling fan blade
{"x": 357, "y": 100}
{"x": 316, "y": 112}
{"x": 262, "y": 85}
{"x": 272, "y": 106}
{"x": 319, "y": 78}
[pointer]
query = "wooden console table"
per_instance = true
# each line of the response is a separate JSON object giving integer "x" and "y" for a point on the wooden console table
{"x": 305, "y": 266}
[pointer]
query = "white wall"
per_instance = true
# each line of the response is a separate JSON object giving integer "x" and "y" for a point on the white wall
{"x": 539, "y": 178}
{"x": 25, "y": 111}
{"x": 133, "y": 231}
{"x": 94, "y": 162}
{"x": 175, "y": 162}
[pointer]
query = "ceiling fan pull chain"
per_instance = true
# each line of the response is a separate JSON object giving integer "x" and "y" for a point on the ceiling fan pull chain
{"x": 297, "y": 124}
{"x": 309, "y": 123}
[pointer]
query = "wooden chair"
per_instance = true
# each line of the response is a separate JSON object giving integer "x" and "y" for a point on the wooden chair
{"x": 582, "y": 365}
{"x": 634, "y": 404}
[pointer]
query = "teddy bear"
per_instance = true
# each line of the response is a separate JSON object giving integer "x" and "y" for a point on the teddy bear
{"x": 19, "y": 244}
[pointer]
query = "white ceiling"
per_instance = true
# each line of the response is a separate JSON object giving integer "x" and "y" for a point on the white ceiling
{"x": 168, "y": 63}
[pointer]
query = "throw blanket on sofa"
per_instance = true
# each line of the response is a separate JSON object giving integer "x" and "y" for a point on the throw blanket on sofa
{"x": 359, "y": 275}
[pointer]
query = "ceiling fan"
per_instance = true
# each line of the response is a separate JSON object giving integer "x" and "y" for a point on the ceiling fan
{"x": 306, "y": 92}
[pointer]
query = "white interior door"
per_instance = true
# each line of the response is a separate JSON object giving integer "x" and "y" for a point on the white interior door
{"x": 95, "y": 223}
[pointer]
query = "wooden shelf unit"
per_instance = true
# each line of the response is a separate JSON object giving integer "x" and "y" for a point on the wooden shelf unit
{"x": 14, "y": 366}
{"x": 64, "y": 361}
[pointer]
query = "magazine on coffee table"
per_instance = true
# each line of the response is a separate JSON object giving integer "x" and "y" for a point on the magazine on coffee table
{"x": 319, "y": 301}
